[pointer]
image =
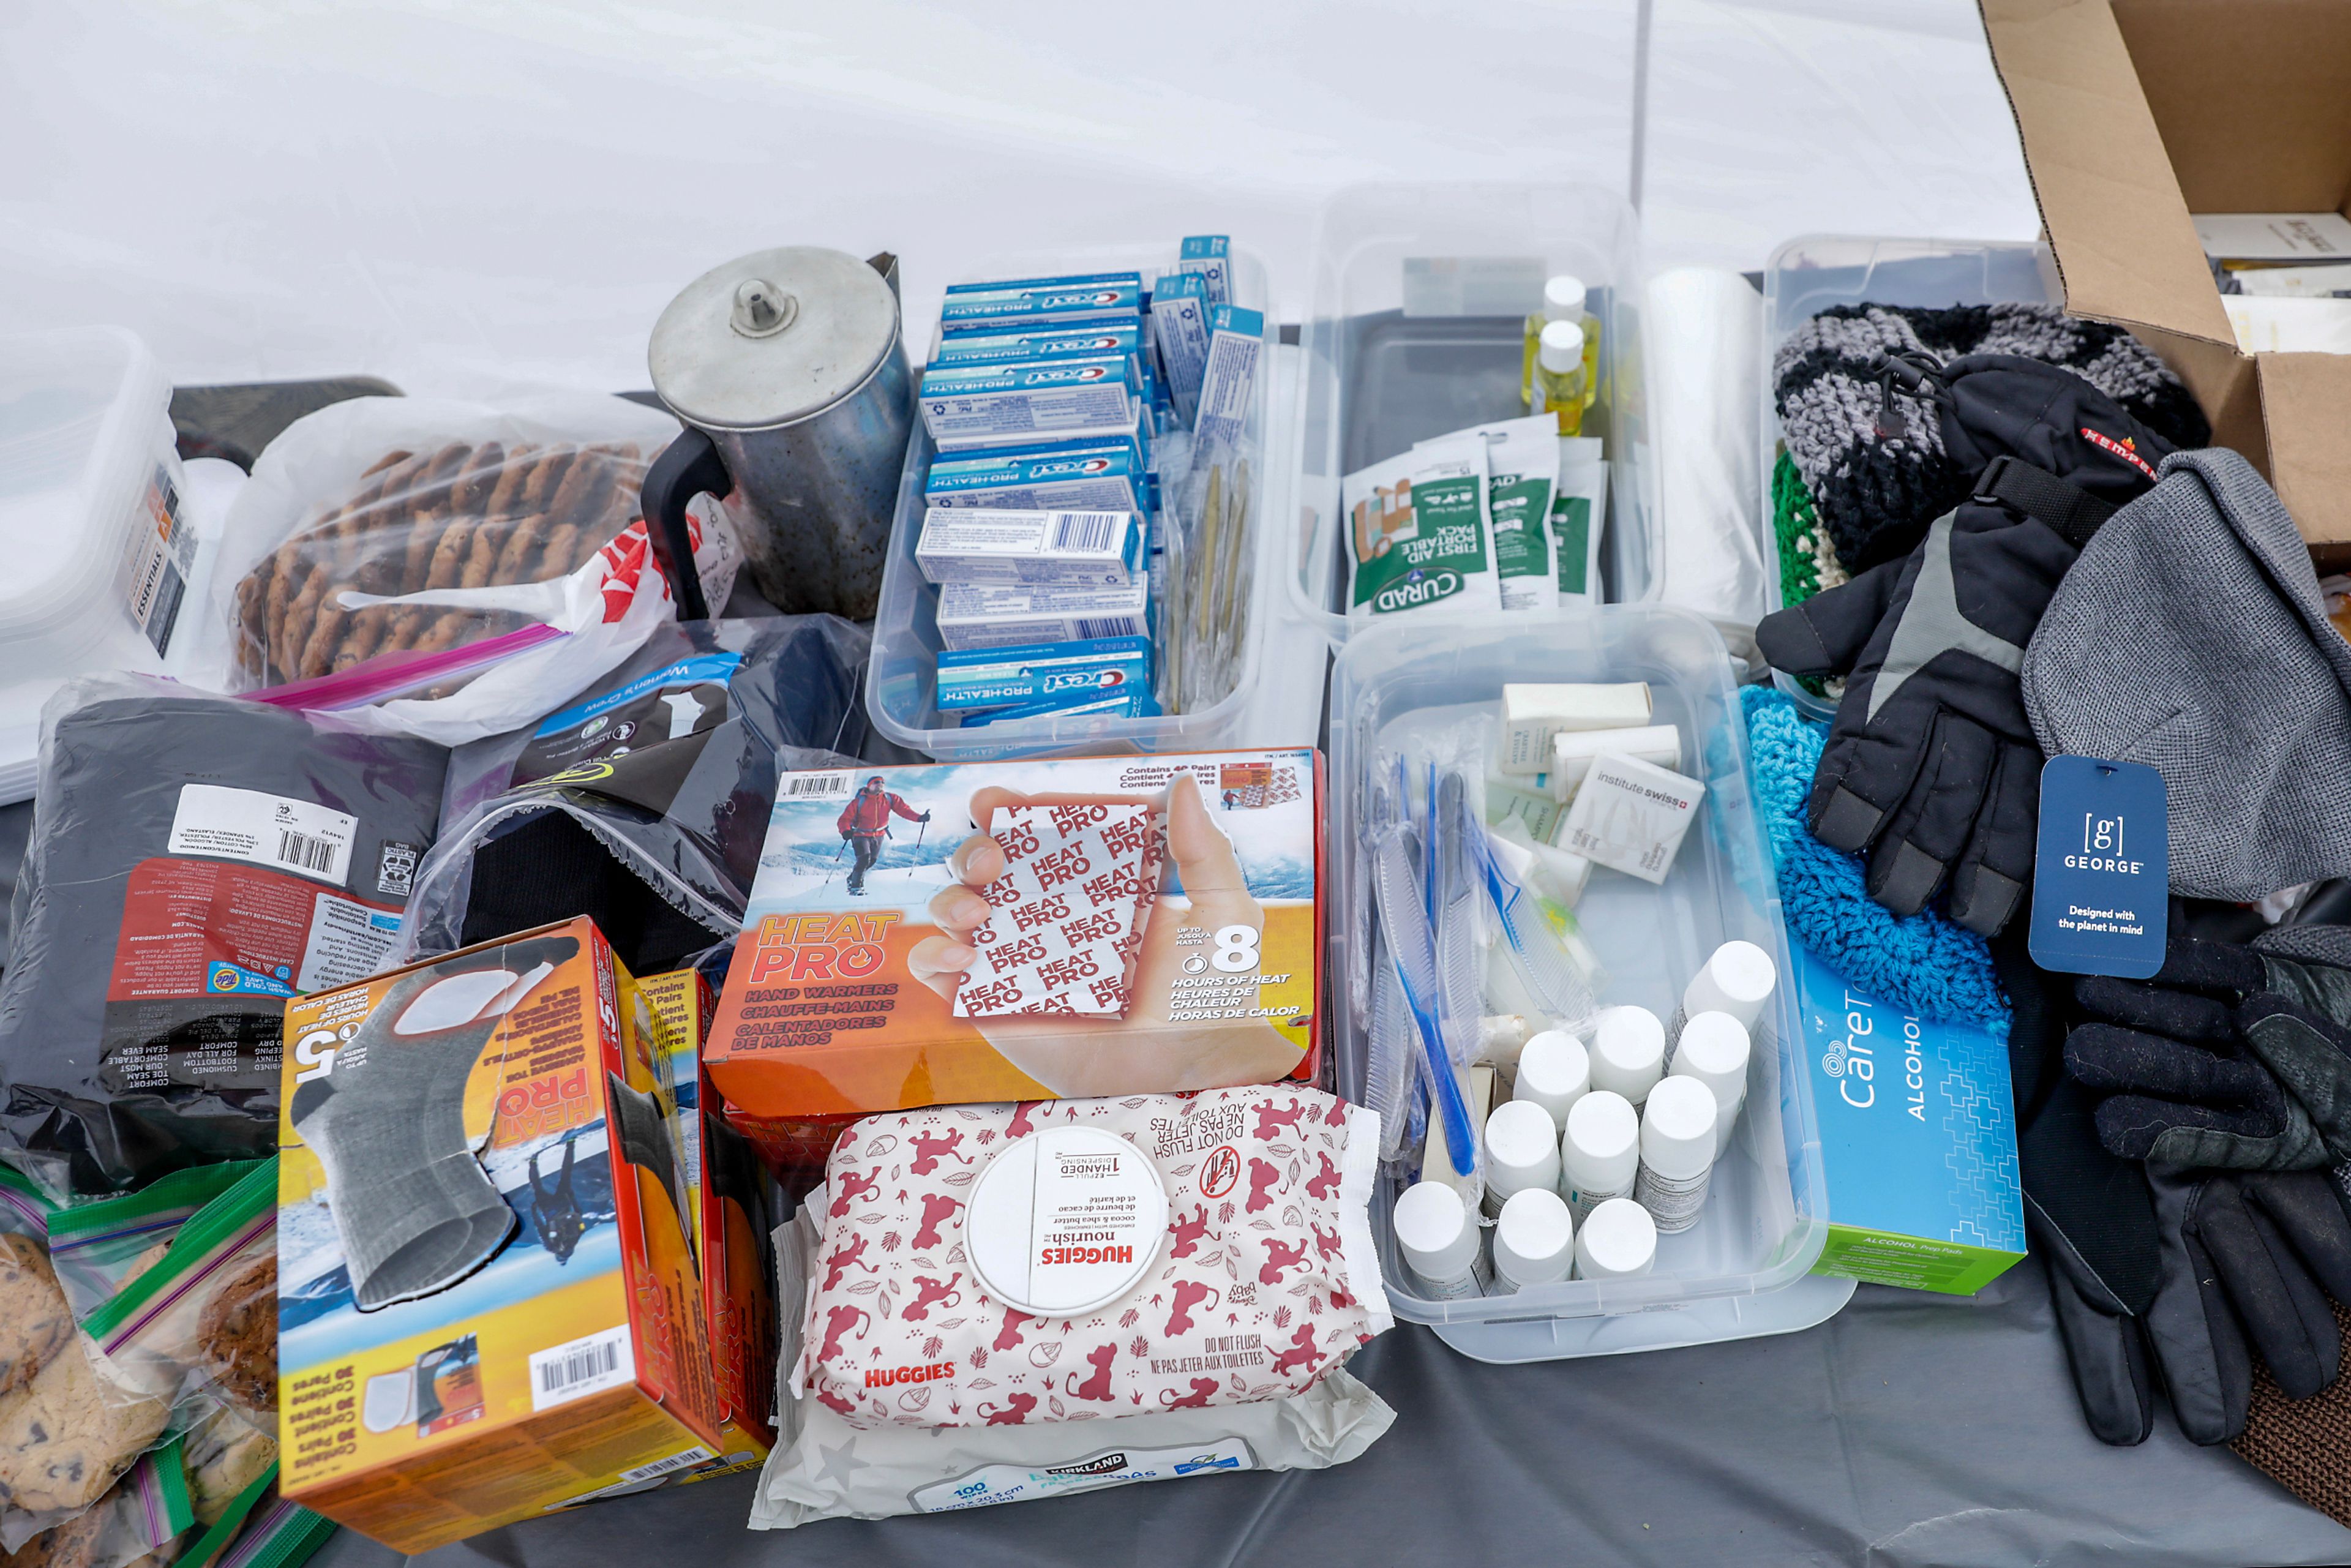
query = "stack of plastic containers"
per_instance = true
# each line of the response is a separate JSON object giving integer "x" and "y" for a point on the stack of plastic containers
{"x": 1742, "y": 1269}
{"x": 98, "y": 562}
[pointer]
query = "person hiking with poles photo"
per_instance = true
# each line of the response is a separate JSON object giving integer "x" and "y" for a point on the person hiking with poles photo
{"x": 865, "y": 822}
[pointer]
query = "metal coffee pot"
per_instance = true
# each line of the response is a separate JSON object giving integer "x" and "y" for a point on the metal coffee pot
{"x": 789, "y": 370}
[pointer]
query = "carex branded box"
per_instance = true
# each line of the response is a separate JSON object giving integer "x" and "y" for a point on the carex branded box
{"x": 488, "y": 1303}
{"x": 1917, "y": 1140}
{"x": 1023, "y": 929}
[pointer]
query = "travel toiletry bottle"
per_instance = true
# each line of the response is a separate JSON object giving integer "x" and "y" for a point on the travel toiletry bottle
{"x": 1715, "y": 1050}
{"x": 1738, "y": 980}
{"x": 1618, "y": 1241}
{"x": 1555, "y": 1072}
{"x": 1438, "y": 1239}
{"x": 1559, "y": 382}
{"x": 1535, "y": 1241}
{"x": 1522, "y": 1151}
{"x": 1601, "y": 1152}
{"x": 1676, "y": 1153}
{"x": 1628, "y": 1052}
{"x": 1562, "y": 301}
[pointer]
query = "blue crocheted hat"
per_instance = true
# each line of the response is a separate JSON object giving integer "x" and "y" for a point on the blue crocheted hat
{"x": 1924, "y": 965}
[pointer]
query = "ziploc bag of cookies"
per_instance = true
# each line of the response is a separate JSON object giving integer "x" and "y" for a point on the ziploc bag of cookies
{"x": 418, "y": 525}
{"x": 1062, "y": 1261}
{"x": 1079, "y": 878}
{"x": 1021, "y": 927}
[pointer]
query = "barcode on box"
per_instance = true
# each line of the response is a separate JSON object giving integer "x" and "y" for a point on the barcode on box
{"x": 1122, "y": 627}
{"x": 685, "y": 1461}
{"x": 304, "y": 853}
{"x": 582, "y": 1367}
{"x": 1089, "y": 531}
{"x": 807, "y": 784}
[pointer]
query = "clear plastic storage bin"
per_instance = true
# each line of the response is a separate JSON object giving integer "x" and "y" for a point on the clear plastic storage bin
{"x": 901, "y": 677}
{"x": 1420, "y": 299}
{"x": 98, "y": 561}
{"x": 1808, "y": 275}
{"x": 1742, "y": 1269}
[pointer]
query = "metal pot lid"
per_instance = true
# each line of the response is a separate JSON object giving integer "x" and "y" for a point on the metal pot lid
{"x": 772, "y": 337}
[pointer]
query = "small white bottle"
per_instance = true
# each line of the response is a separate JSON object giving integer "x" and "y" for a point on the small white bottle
{"x": 1618, "y": 1241}
{"x": 1555, "y": 1072}
{"x": 1602, "y": 1151}
{"x": 1715, "y": 1050}
{"x": 1738, "y": 979}
{"x": 1564, "y": 301}
{"x": 1521, "y": 1152}
{"x": 1560, "y": 387}
{"x": 1676, "y": 1153}
{"x": 1535, "y": 1241}
{"x": 1629, "y": 1052}
{"x": 1439, "y": 1240}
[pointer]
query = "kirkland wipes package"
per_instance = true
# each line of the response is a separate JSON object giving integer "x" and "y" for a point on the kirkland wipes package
{"x": 1027, "y": 929}
{"x": 1523, "y": 458}
{"x": 1418, "y": 534}
{"x": 1917, "y": 1140}
{"x": 487, "y": 1301}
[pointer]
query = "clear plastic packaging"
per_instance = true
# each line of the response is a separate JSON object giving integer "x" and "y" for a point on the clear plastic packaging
{"x": 1417, "y": 328}
{"x": 1807, "y": 275}
{"x": 1741, "y": 1268}
{"x": 1235, "y": 527}
{"x": 99, "y": 562}
{"x": 449, "y": 570}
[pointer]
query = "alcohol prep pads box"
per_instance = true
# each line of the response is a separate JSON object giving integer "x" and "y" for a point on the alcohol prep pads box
{"x": 1917, "y": 1140}
{"x": 1057, "y": 926}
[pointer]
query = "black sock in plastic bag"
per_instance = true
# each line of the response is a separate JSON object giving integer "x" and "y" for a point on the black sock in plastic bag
{"x": 194, "y": 861}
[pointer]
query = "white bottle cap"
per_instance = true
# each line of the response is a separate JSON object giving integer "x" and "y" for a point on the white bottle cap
{"x": 1629, "y": 1052}
{"x": 1617, "y": 1242}
{"x": 1521, "y": 1148}
{"x": 1737, "y": 980}
{"x": 1564, "y": 298}
{"x": 1562, "y": 347}
{"x": 1714, "y": 1050}
{"x": 1535, "y": 1241}
{"x": 1554, "y": 1072}
{"x": 1603, "y": 1147}
{"x": 1434, "y": 1232}
{"x": 1677, "y": 1128}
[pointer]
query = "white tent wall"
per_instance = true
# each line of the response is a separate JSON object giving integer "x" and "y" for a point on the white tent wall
{"x": 465, "y": 198}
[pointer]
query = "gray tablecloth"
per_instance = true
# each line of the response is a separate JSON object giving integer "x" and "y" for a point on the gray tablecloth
{"x": 1910, "y": 1429}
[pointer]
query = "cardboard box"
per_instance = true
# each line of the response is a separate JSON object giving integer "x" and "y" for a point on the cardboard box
{"x": 570, "y": 1361}
{"x": 1917, "y": 1141}
{"x": 2136, "y": 113}
{"x": 738, "y": 1211}
{"x": 879, "y": 968}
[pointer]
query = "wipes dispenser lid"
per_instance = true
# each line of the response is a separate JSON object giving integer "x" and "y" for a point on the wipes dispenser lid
{"x": 772, "y": 338}
{"x": 1065, "y": 1221}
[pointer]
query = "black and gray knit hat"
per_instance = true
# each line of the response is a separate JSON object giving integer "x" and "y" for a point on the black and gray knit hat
{"x": 1879, "y": 481}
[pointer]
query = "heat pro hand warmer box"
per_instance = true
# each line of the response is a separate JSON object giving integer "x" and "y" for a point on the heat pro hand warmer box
{"x": 1026, "y": 929}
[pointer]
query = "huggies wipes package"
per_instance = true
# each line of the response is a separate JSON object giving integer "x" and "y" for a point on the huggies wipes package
{"x": 1418, "y": 533}
{"x": 998, "y": 1302}
{"x": 1027, "y": 929}
{"x": 487, "y": 1305}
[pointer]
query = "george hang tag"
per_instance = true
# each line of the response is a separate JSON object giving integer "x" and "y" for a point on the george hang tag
{"x": 2102, "y": 871}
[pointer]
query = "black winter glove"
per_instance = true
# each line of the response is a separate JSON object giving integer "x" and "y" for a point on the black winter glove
{"x": 2231, "y": 1056}
{"x": 1931, "y": 764}
{"x": 2158, "y": 1274}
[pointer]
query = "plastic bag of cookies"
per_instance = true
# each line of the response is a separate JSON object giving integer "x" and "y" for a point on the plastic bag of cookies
{"x": 448, "y": 569}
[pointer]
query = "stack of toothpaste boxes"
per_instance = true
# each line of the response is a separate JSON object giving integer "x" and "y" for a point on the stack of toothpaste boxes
{"x": 1042, "y": 508}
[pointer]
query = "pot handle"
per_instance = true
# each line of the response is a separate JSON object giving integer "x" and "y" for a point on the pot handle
{"x": 688, "y": 466}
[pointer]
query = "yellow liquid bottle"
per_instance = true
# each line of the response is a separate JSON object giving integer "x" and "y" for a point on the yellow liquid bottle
{"x": 1561, "y": 385}
{"x": 1562, "y": 301}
